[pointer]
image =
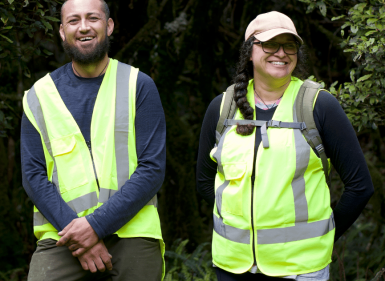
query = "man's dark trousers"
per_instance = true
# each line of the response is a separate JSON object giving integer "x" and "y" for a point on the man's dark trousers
{"x": 133, "y": 259}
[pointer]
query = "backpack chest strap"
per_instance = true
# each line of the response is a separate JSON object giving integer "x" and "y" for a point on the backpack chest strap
{"x": 266, "y": 124}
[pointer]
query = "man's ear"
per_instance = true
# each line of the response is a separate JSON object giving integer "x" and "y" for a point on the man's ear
{"x": 62, "y": 34}
{"x": 110, "y": 26}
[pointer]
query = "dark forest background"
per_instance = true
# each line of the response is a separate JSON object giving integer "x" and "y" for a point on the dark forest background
{"x": 190, "y": 49}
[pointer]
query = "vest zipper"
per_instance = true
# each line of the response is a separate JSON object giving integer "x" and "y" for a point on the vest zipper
{"x": 93, "y": 164}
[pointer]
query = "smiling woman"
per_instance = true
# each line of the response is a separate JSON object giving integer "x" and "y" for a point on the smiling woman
{"x": 272, "y": 214}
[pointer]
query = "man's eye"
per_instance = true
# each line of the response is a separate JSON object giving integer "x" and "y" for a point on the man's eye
{"x": 72, "y": 21}
{"x": 94, "y": 18}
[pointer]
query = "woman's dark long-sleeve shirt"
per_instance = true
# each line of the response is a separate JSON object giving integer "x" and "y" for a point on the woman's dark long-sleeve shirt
{"x": 341, "y": 146}
{"x": 79, "y": 95}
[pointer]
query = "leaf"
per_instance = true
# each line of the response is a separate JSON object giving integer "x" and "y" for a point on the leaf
{"x": 30, "y": 35}
{"x": 360, "y": 7}
{"x": 370, "y": 32}
{"x": 47, "y": 52}
{"x": 27, "y": 73}
{"x": 8, "y": 27}
{"x": 322, "y": 8}
{"x": 371, "y": 21}
{"x": 365, "y": 77}
{"x": 3, "y": 55}
{"x": 47, "y": 24}
{"x": 310, "y": 8}
{"x": 337, "y": 18}
{"x": 4, "y": 20}
{"x": 6, "y": 38}
{"x": 52, "y": 18}
{"x": 334, "y": 84}
{"x": 10, "y": 1}
{"x": 354, "y": 29}
{"x": 26, "y": 3}
{"x": 352, "y": 72}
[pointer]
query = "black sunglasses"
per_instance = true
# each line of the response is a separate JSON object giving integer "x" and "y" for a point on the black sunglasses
{"x": 270, "y": 47}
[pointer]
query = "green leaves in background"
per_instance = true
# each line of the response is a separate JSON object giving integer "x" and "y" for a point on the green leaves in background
{"x": 20, "y": 21}
{"x": 364, "y": 23}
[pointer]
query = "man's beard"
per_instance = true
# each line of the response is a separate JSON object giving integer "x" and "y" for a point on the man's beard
{"x": 87, "y": 57}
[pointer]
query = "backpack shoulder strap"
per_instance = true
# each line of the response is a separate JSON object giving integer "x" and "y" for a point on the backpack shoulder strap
{"x": 304, "y": 112}
{"x": 228, "y": 110}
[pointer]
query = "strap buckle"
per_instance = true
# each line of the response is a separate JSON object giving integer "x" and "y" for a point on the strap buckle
{"x": 303, "y": 126}
{"x": 274, "y": 123}
{"x": 320, "y": 148}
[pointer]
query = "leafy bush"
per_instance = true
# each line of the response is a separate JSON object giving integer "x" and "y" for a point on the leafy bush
{"x": 360, "y": 255}
{"x": 196, "y": 266}
{"x": 362, "y": 98}
{"x": 25, "y": 31}
{"x": 14, "y": 275}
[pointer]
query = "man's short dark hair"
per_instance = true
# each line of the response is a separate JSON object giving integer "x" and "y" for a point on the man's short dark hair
{"x": 105, "y": 9}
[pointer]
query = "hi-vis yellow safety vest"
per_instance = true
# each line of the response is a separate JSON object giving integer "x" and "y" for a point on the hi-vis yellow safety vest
{"x": 283, "y": 219}
{"x": 70, "y": 165}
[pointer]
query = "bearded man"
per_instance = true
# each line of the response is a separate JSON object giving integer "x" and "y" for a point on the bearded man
{"x": 93, "y": 158}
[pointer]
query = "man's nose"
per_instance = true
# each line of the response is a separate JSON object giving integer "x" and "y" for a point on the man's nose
{"x": 84, "y": 27}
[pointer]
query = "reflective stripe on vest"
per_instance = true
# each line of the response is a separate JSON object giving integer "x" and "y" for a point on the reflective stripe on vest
{"x": 295, "y": 222}
{"x": 35, "y": 107}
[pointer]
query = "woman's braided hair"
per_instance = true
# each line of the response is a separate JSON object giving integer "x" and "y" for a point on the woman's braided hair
{"x": 244, "y": 73}
{"x": 241, "y": 80}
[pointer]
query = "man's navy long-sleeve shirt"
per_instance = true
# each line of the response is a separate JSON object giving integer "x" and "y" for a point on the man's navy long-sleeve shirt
{"x": 79, "y": 96}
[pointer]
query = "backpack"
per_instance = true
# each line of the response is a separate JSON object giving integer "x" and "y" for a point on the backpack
{"x": 305, "y": 120}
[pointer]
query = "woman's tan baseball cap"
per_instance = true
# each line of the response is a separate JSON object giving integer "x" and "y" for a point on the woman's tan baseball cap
{"x": 268, "y": 25}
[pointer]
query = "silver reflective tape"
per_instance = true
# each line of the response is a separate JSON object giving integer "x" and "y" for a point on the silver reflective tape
{"x": 121, "y": 123}
{"x": 298, "y": 232}
{"x": 154, "y": 201}
{"x": 84, "y": 202}
{"x": 35, "y": 107}
{"x": 302, "y": 154}
{"x": 231, "y": 233}
{"x": 218, "y": 154}
{"x": 39, "y": 219}
{"x": 105, "y": 194}
{"x": 218, "y": 196}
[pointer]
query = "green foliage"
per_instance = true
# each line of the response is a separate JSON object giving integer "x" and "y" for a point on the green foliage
{"x": 14, "y": 274}
{"x": 360, "y": 255}
{"x": 196, "y": 266}
{"x": 4, "y": 120}
{"x": 364, "y": 24}
{"x": 25, "y": 28}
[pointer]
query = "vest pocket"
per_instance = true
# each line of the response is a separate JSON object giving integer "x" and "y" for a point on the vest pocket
{"x": 70, "y": 166}
{"x": 233, "y": 193}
